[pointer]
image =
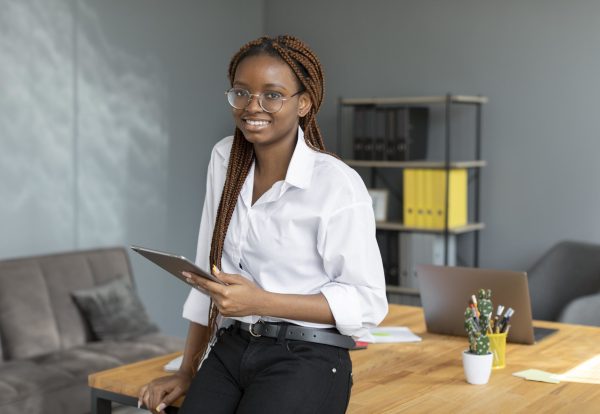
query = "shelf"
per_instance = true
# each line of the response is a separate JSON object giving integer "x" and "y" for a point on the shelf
{"x": 402, "y": 290}
{"x": 388, "y": 225}
{"x": 371, "y": 117}
{"x": 416, "y": 100}
{"x": 415, "y": 164}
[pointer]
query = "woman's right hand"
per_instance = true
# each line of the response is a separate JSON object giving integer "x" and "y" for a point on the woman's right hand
{"x": 161, "y": 392}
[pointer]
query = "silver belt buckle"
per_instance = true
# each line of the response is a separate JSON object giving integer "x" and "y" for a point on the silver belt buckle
{"x": 251, "y": 328}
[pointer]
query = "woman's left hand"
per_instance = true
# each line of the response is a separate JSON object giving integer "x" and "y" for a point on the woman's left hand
{"x": 239, "y": 297}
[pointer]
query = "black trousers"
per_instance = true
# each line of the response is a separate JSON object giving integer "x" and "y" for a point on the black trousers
{"x": 248, "y": 375}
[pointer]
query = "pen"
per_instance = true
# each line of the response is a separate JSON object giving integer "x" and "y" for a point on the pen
{"x": 497, "y": 318}
{"x": 474, "y": 300}
{"x": 506, "y": 319}
{"x": 474, "y": 311}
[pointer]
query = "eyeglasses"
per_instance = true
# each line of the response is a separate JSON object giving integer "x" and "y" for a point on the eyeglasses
{"x": 270, "y": 102}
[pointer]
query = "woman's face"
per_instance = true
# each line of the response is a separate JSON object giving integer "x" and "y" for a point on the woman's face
{"x": 264, "y": 74}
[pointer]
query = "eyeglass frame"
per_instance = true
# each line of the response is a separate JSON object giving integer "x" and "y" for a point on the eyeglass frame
{"x": 260, "y": 95}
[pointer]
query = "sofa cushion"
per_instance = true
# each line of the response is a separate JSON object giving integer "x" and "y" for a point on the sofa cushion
{"x": 135, "y": 349}
{"x": 57, "y": 382}
{"x": 37, "y": 313}
{"x": 71, "y": 271}
{"x": 114, "y": 311}
{"x": 21, "y": 380}
{"x": 26, "y": 314}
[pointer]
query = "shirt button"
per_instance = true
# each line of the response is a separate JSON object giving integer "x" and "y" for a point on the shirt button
{"x": 240, "y": 265}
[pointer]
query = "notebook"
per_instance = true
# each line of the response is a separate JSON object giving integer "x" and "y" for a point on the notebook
{"x": 445, "y": 294}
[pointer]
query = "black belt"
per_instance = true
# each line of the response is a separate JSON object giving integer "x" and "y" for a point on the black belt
{"x": 297, "y": 333}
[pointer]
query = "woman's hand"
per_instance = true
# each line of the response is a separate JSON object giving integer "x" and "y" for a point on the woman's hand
{"x": 240, "y": 297}
{"x": 160, "y": 393}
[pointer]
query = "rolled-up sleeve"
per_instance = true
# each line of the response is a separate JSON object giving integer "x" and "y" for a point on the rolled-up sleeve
{"x": 351, "y": 258}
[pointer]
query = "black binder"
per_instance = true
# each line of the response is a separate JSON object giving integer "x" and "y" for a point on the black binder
{"x": 397, "y": 133}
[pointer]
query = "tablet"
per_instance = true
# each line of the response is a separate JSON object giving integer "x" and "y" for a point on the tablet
{"x": 175, "y": 265}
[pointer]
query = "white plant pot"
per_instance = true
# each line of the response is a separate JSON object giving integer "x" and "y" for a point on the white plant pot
{"x": 477, "y": 367}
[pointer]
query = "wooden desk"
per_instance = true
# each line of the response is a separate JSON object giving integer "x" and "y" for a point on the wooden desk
{"x": 427, "y": 377}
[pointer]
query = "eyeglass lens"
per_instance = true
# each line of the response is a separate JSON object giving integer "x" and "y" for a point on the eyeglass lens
{"x": 240, "y": 99}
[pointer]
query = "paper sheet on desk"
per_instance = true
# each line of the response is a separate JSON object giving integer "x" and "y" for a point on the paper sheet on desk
{"x": 587, "y": 372}
{"x": 174, "y": 364}
{"x": 538, "y": 375}
{"x": 390, "y": 334}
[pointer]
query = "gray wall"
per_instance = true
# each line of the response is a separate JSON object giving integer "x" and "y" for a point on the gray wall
{"x": 108, "y": 112}
{"x": 536, "y": 60}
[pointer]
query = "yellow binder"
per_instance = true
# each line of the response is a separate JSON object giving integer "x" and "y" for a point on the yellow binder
{"x": 409, "y": 194}
{"x": 424, "y": 198}
{"x": 458, "y": 214}
{"x": 428, "y": 195}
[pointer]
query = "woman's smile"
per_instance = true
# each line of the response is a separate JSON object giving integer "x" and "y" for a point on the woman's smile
{"x": 255, "y": 124}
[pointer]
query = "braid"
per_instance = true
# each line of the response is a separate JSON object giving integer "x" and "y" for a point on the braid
{"x": 307, "y": 68}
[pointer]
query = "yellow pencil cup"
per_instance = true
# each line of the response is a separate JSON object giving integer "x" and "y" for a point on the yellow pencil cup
{"x": 498, "y": 349}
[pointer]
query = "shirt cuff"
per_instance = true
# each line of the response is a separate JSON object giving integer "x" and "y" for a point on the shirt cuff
{"x": 345, "y": 304}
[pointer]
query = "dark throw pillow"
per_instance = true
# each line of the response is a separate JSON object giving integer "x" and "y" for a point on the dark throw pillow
{"x": 114, "y": 311}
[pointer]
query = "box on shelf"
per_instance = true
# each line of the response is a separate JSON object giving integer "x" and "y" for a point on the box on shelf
{"x": 422, "y": 248}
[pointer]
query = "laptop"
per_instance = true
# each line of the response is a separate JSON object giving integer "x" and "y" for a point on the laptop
{"x": 446, "y": 291}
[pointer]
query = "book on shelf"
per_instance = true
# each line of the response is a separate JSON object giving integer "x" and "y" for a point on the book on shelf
{"x": 357, "y": 132}
{"x": 388, "y": 247}
{"x": 380, "y": 133}
{"x": 396, "y": 133}
{"x": 399, "y": 135}
{"x": 425, "y": 198}
{"x": 412, "y": 131}
{"x": 361, "y": 139}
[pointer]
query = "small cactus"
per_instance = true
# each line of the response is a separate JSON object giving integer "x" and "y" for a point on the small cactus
{"x": 476, "y": 326}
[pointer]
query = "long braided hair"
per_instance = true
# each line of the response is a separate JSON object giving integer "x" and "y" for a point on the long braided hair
{"x": 307, "y": 68}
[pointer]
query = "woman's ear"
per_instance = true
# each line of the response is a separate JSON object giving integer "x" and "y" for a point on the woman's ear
{"x": 304, "y": 104}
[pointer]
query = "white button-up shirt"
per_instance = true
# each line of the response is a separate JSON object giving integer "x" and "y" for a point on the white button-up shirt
{"x": 312, "y": 232}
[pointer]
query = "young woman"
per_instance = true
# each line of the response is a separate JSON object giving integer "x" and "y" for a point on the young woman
{"x": 289, "y": 229}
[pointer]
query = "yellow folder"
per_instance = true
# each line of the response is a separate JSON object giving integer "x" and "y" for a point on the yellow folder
{"x": 409, "y": 194}
{"x": 425, "y": 198}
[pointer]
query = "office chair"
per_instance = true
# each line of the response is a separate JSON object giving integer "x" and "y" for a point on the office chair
{"x": 564, "y": 284}
{"x": 583, "y": 311}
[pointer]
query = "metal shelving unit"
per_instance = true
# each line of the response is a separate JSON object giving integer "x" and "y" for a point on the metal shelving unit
{"x": 448, "y": 101}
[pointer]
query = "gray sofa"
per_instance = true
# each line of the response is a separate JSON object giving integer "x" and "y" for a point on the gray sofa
{"x": 47, "y": 345}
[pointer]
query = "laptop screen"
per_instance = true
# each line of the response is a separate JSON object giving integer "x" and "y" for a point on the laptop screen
{"x": 445, "y": 294}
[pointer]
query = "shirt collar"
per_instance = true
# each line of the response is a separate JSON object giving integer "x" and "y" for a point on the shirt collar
{"x": 300, "y": 170}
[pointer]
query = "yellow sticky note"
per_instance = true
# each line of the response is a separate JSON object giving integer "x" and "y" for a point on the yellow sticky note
{"x": 537, "y": 375}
